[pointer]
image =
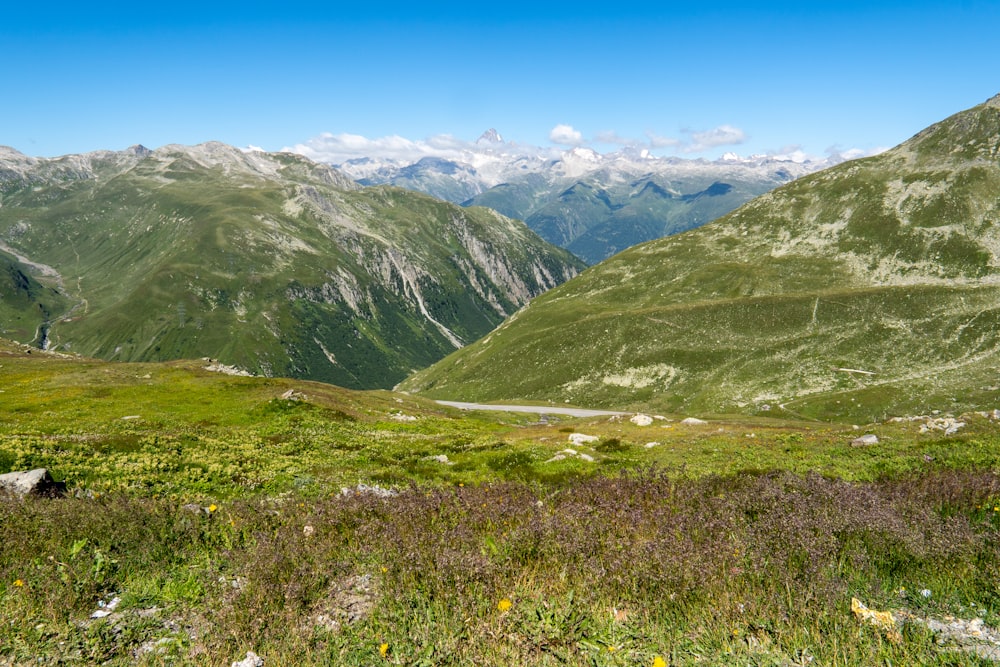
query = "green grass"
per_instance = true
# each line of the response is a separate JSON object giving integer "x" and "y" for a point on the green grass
{"x": 180, "y": 430}
{"x": 217, "y": 517}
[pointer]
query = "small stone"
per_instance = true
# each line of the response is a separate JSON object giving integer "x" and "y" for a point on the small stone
{"x": 641, "y": 420}
{"x": 252, "y": 660}
{"x": 581, "y": 438}
{"x": 368, "y": 490}
{"x": 693, "y": 421}
{"x": 865, "y": 440}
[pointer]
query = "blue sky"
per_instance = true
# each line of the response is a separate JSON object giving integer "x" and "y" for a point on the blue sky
{"x": 690, "y": 79}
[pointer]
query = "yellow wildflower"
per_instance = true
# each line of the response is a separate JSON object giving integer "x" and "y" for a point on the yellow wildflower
{"x": 659, "y": 662}
{"x": 213, "y": 507}
{"x": 384, "y": 569}
{"x": 19, "y": 583}
{"x": 879, "y": 618}
{"x": 383, "y": 649}
{"x": 505, "y": 604}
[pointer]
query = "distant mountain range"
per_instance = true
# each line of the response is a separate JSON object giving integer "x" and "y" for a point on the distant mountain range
{"x": 592, "y": 204}
{"x": 266, "y": 261}
{"x": 868, "y": 289}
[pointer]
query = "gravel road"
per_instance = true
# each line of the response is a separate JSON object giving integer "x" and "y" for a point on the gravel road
{"x": 539, "y": 409}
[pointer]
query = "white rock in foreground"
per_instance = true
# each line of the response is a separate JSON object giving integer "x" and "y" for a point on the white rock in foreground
{"x": 37, "y": 482}
{"x": 641, "y": 420}
{"x": 582, "y": 438}
{"x": 693, "y": 421}
{"x": 252, "y": 660}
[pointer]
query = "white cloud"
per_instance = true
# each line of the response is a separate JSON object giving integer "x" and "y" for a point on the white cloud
{"x": 338, "y": 148}
{"x": 565, "y": 135}
{"x": 723, "y": 135}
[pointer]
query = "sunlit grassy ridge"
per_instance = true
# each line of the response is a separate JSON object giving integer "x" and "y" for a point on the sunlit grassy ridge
{"x": 888, "y": 266}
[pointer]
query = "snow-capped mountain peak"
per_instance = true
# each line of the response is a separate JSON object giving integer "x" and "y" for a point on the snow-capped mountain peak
{"x": 489, "y": 137}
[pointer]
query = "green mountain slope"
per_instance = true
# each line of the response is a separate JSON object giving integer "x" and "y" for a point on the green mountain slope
{"x": 269, "y": 262}
{"x": 870, "y": 288}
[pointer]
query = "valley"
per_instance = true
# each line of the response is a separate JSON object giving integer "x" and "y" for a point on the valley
{"x": 293, "y": 419}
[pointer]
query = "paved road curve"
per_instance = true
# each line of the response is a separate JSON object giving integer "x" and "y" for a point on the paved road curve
{"x": 539, "y": 409}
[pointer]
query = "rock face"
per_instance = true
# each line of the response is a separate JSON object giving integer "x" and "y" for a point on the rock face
{"x": 36, "y": 482}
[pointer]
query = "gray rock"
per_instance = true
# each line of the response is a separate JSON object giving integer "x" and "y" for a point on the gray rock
{"x": 36, "y": 482}
{"x": 252, "y": 660}
{"x": 865, "y": 440}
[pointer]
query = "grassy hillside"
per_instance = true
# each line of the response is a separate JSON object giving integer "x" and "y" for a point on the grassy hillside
{"x": 865, "y": 290}
{"x": 268, "y": 262}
